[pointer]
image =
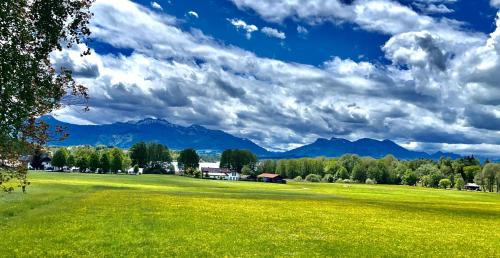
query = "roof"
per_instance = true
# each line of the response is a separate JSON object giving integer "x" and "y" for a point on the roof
{"x": 268, "y": 175}
{"x": 214, "y": 170}
{"x": 472, "y": 184}
{"x": 216, "y": 174}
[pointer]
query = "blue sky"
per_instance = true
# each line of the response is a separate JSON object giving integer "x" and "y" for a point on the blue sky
{"x": 283, "y": 73}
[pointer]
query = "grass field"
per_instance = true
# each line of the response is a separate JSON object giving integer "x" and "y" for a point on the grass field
{"x": 75, "y": 215}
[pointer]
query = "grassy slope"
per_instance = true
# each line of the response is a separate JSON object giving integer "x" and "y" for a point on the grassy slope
{"x": 153, "y": 216}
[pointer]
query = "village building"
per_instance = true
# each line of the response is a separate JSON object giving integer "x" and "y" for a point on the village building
{"x": 472, "y": 187}
{"x": 270, "y": 178}
{"x": 220, "y": 174}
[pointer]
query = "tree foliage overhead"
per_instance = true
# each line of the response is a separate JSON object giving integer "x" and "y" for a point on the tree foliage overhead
{"x": 30, "y": 30}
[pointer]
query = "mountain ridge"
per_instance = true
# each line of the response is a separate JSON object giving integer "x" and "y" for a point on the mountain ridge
{"x": 125, "y": 134}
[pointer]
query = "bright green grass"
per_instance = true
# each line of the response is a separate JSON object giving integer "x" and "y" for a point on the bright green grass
{"x": 75, "y": 215}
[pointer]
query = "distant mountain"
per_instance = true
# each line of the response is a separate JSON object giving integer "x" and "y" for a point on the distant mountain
{"x": 336, "y": 147}
{"x": 124, "y": 135}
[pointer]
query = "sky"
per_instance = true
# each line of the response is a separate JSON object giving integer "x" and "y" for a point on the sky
{"x": 282, "y": 73}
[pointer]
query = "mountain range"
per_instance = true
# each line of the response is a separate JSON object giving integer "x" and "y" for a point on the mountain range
{"x": 124, "y": 135}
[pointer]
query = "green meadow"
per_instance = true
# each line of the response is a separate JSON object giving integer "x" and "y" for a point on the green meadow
{"x": 87, "y": 215}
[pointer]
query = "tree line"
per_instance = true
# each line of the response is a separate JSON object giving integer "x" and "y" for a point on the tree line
{"x": 156, "y": 158}
{"x": 153, "y": 158}
{"x": 89, "y": 159}
{"x": 444, "y": 173}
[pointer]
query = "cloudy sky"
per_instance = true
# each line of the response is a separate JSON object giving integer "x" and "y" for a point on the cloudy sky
{"x": 424, "y": 73}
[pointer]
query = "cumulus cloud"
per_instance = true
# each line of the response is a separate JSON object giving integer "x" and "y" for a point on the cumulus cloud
{"x": 242, "y": 25}
{"x": 435, "y": 91}
{"x": 273, "y": 33}
{"x": 193, "y": 14}
{"x": 495, "y": 3}
{"x": 156, "y": 5}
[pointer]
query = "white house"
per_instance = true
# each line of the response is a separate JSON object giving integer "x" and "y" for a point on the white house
{"x": 233, "y": 176}
{"x": 220, "y": 174}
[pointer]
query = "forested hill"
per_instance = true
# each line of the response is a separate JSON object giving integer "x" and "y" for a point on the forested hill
{"x": 124, "y": 135}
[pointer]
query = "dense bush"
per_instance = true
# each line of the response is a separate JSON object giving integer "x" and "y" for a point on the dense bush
{"x": 298, "y": 179}
{"x": 444, "y": 183}
{"x": 328, "y": 178}
{"x": 370, "y": 181}
{"x": 313, "y": 178}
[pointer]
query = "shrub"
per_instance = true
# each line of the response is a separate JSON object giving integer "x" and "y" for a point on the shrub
{"x": 189, "y": 172}
{"x": 155, "y": 169}
{"x": 346, "y": 181}
{"x": 370, "y": 181}
{"x": 444, "y": 183}
{"x": 328, "y": 178}
{"x": 298, "y": 179}
{"x": 313, "y": 178}
{"x": 459, "y": 183}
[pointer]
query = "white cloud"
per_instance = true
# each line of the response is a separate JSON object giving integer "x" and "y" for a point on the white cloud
{"x": 156, "y": 5}
{"x": 495, "y": 3}
{"x": 240, "y": 24}
{"x": 194, "y": 14}
{"x": 274, "y": 33}
{"x": 426, "y": 95}
{"x": 302, "y": 30}
{"x": 433, "y": 8}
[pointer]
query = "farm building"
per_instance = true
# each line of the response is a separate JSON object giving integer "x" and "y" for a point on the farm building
{"x": 472, "y": 187}
{"x": 270, "y": 178}
{"x": 220, "y": 173}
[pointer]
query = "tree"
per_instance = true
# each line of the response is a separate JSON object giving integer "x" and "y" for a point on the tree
{"x": 409, "y": 178}
{"x": 37, "y": 159}
{"x": 359, "y": 173}
{"x": 431, "y": 173}
{"x": 139, "y": 154}
{"x": 70, "y": 161}
{"x": 266, "y": 166}
{"x": 348, "y": 161}
{"x": 236, "y": 159}
{"x": 82, "y": 163}
{"x": 59, "y": 159}
{"x": 116, "y": 163}
{"x": 188, "y": 158}
{"x": 459, "y": 182}
{"x": 105, "y": 162}
{"x": 470, "y": 172}
{"x": 94, "y": 163}
{"x": 30, "y": 31}
{"x": 488, "y": 174}
{"x": 246, "y": 170}
{"x": 342, "y": 173}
